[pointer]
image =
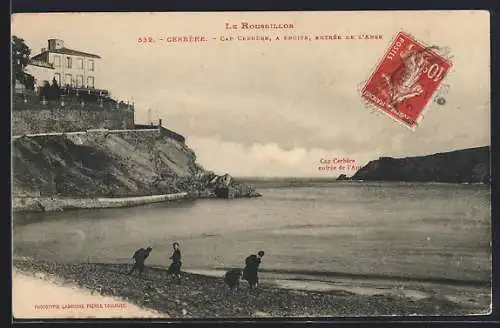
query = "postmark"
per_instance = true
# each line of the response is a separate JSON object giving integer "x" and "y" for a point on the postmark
{"x": 406, "y": 79}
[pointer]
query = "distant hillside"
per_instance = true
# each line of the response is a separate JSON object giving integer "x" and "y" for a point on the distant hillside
{"x": 467, "y": 165}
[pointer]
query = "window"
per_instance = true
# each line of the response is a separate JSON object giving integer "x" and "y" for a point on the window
{"x": 91, "y": 64}
{"x": 79, "y": 81}
{"x": 67, "y": 79}
{"x": 57, "y": 76}
{"x": 69, "y": 62}
{"x": 79, "y": 63}
{"x": 90, "y": 82}
{"x": 57, "y": 61}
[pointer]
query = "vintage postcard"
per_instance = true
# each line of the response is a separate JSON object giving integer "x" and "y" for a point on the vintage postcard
{"x": 251, "y": 164}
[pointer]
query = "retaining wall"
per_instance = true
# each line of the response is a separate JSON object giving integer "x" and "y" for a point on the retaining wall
{"x": 68, "y": 120}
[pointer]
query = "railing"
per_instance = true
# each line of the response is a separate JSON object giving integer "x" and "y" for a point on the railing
{"x": 74, "y": 98}
{"x": 76, "y": 91}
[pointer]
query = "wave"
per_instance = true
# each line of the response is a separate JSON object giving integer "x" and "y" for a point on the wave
{"x": 209, "y": 235}
{"x": 301, "y": 183}
{"x": 365, "y": 276}
{"x": 301, "y": 226}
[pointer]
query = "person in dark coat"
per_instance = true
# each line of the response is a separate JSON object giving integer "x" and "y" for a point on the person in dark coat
{"x": 175, "y": 268}
{"x": 139, "y": 257}
{"x": 232, "y": 278}
{"x": 252, "y": 263}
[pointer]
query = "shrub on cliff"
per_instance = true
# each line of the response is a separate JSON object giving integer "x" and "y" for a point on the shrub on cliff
{"x": 55, "y": 89}
{"x": 51, "y": 92}
{"x": 29, "y": 82}
{"x": 55, "y": 85}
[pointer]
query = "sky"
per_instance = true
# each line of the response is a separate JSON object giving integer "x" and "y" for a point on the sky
{"x": 280, "y": 108}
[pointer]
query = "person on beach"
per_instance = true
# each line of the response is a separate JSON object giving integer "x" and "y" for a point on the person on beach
{"x": 175, "y": 268}
{"x": 232, "y": 278}
{"x": 139, "y": 257}
{"x": 250, "y": 274}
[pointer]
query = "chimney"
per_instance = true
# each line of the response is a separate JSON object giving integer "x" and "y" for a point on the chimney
{"x": 159, "y": 122}
{"x": 54, "y": 44}
{"x": 43, "y": 50}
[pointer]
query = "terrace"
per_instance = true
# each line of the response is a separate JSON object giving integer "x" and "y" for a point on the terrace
{"x": 70, "y": 97}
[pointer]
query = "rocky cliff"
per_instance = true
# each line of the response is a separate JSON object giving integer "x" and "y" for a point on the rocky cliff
{"x": 468, "y": 165}
{"x": 104, "y": 164}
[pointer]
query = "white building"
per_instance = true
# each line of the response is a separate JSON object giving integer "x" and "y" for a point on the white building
{"x": 41, "y": 71}
{"x": 69, "y": 67}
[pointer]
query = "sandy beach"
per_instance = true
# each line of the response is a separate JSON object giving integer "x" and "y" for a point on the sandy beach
{"x": 197, "y": 296}
{"x": 42, "y": 296}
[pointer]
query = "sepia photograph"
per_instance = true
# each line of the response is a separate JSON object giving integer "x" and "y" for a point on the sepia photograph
{"x": 201, "y": 165}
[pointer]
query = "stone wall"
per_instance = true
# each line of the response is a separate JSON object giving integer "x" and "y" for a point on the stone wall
{"x": 139, "y": 137}
{"x": 69, "y": 119}
{"x": 30, "y": 115}
{"x": 163, "y": 130}
{"x": 171, "y": 134}
{"x": 46, "y": 204}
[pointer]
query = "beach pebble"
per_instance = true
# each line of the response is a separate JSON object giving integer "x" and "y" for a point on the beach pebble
{"x": 39, "y": 275}
{"x": 208, "y": 297}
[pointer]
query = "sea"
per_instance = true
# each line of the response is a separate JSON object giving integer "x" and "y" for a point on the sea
{"x": 414, "y": 239}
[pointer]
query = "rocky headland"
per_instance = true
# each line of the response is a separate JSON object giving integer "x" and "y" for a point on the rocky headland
{"x": 50, "y": 169}
{"x": 461, "y": 166}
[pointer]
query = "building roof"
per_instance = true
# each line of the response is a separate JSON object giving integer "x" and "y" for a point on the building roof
{"x": 65, "y": 51}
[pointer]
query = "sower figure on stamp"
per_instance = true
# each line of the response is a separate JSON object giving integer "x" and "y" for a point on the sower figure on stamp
{"x": 250, "y": 274}
{"x": 408, "y": 87}
{"x": 139, "y": 257}
{"x": 175, "y": 268}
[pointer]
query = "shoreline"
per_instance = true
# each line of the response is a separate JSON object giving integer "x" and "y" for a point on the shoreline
{"x": 57, "y": 204}
{"x": 202, "y": 296}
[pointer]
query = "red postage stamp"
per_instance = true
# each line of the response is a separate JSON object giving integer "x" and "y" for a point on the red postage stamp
{"x": 406, "y": 79}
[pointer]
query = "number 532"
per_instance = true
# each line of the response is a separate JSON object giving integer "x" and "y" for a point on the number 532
{"x": 145, "y": 39}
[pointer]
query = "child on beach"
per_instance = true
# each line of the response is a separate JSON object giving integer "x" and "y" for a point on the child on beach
{"x": 175, "y": 267}
{"x": 139, "y": 257}
{"x": 250, "y": 274}
{"x": 232, "y": 278}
